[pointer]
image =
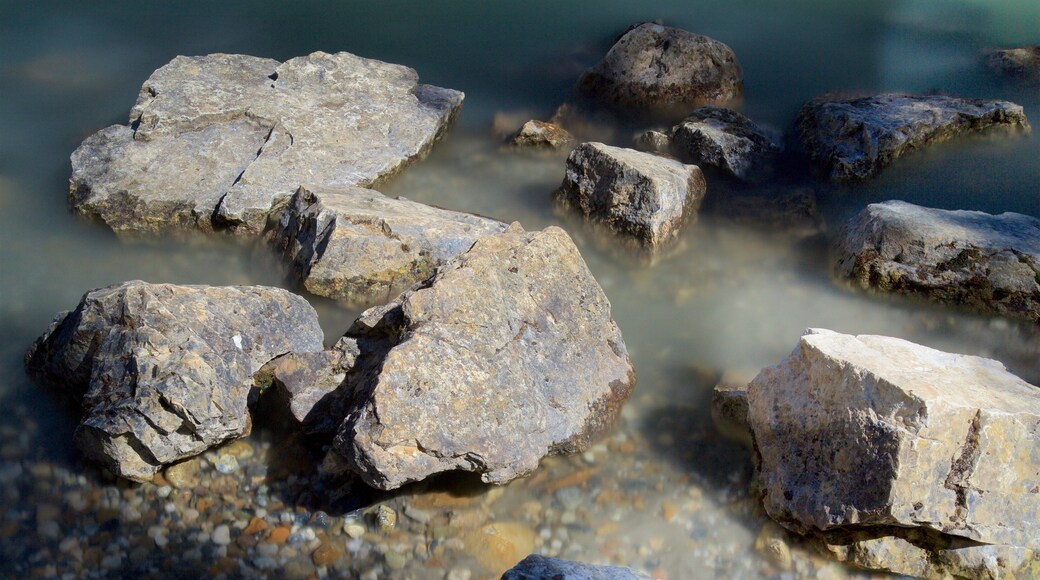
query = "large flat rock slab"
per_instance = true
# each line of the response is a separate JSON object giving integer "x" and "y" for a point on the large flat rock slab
{"x": 220, "y": 141}
{"x": 361, "y": 246}
{"x": 853, "y": 138}
{"x": 507, "y": 355}
{"x": 164, "y": 371}
{"x": 872, "y": 432}
{"x": 989, "y": 263}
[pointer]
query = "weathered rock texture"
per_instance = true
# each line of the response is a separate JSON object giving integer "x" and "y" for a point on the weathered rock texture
{"x": 729, "y": 409}
{"x": 1017, "y": 63}
{"x": 507, "y": 355}
{"x": 164, "y": 371}
{"x": 871, "y": 433}
{"x": 657, "y": 67}
{"x": 219, "y": 141}
{"x": 654, "y": 141}
{"x": 990, "y": 263}
{"x": 722, "y": 138}
{"x": 853, "y": 138}
{"x": 358, "y": 245}
{"x": 637, "y": 194}
{"x": 536, "y": 567}
{"x": 541, "y": 135}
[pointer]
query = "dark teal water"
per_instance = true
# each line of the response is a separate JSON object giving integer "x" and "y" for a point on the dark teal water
{"x": 733, "y": 299}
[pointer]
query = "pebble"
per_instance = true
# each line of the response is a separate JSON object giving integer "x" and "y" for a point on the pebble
{"x": 184, "y": 474}
{"x": 279, "y": 535}
{"x": 221, "y": 535}
{"x": 226, "y": 463}
{"x": 386, "y": 519}
{"x": 325, "y": 555}
{"x": 354, "y": 530}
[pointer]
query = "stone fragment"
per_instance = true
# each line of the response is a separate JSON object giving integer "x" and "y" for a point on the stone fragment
{"x": 308, "y": 385}
{"x": 541, "y": 135}
{"x": 871, "y": 432}
{"x": 360, "y": 246}
{"x": 164, "y": 371}
{"x": 536, "y": 567}
{"x": 854, "y": 138}
{"x": 506, "y": 355}
{"x": 1022, "y": 63}
{"x": 642, "y": 196}
{"x": 221, "y": 141}
{"x": 653, "y": 141}
{"x": 722, "y": 138}
{"x": 656, "y": 67}
{"x": 989, "y": 263}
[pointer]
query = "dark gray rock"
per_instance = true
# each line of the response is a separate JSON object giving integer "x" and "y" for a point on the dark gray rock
{"x": 164, "y": 371}
{"x": 854, "y": 138}
{"x": 653, "y": 141}
{"x": 360, "y": 246}
{"x": 989, "y": 263}
{"x": 792, "y": 211}
{"x": 722, "y": 138}
{"x": 1021, "y": 63}
{"x": 729, "y": 409}
{"x": 507, "y": 355}
{"x": 645, "y": 197}
{"x": 221, "y": 141}
{"x": 535, "y": 567}
{"x": 654, "y": 67}
{"x": 541, "y": 135}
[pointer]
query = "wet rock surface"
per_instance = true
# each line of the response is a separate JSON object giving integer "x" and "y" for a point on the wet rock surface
{"x": 644, "y": 197}
{"x": 507, "y": 355}
{"x": 854, "y": 138}
{"x": 361, "y": 246}
{"x": 536, "y": 567}
{"x": 164, "y": 371}
{"x": 654, "y": 67}
{"x": 541, "y": 135}
{"x": 722, "y": 138}
{"x": 1022, "y": 63}
{"x": 219, "y": 141}
{"x": 989, "y": 263}
{"x": 881, "y": 437}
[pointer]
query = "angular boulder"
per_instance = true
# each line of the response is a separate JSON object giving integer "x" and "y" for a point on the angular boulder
{"x": 220, "y": 141}
{"x": 541, "y": 135}
{"x": 722, "y": 138}
{"x": 507, "y": 355}
{"x": 645, "y": 197}
{"x": 854, "y": 138}
{"x": 989, "y": 263}
{"x": 653, "y": 141}
{"x": 164, "y": 371}
{"x": 654, "y": 67}
{"x": 360, "y": 246}
{"x": 537, "y": 567}
{"x": 877, "y": 434}
{"x": 1022, "y": 63}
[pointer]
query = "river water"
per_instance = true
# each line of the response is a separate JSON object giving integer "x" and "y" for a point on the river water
{"x": 665, "y": 493}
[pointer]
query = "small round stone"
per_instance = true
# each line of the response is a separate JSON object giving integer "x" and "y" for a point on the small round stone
{"x": 226, "y": 464}
{"x": 221, "y": 535}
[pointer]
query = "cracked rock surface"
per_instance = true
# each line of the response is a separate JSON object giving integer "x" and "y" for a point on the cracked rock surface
{"x": 640, "y": 195}
{"x": 877, "y": 434}
{"x": 361, "y": 246}
{"x": 164, "y": 371}
{"x": 220, "y": 141}
{"x": 722, "y": 138}
{"x": 989, "y": 263}
{"x": 507, "y": 355}
{"x": 854, "y": 138}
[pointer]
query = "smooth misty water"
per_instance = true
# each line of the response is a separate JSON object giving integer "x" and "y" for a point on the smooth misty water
{"x": 732, "y": 299}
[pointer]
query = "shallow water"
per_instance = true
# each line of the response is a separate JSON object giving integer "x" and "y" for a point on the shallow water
{"x": 728, "y": 299}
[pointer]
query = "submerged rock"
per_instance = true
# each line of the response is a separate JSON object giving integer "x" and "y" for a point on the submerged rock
{"x": 658, "y": 67}
{"x": 541, "y": 135}
{"x": 1021, "y": 63}
{"x": 729, "y": 409}
{"x": 722, "y": 138}
{"x": 880, "y": 436}
{"x": 854, "y": 138}
{"x": 358, "y": 245}
{"x": 164, "y": 371}
{"x": 653, "y": 141}
{"x": 536, "y": 567}
{"x": 220, "y": 141}
{"x": 989, "y": 263}
{"x": 644, "y": 196}
{"x": 792, "y": 211}
{"x": 507, "y": 355}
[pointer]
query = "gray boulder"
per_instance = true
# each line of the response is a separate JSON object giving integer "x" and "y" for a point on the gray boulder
{"x": 722, "y": 138}
{"x": 989, "y": 263}
{"x": 507, "y": 355}
{"x": 164, "y": 371}
{"x": 360, "y": 246}
{"x": 882, "y": 437}
{"x": 536, "y": 567}
{"x": 541, "y": 135}
{"x": 221, "y": 141}
{"x": 654, "y": 67}
{"x": 653, "y": 141}
{"x": 645, "y": 197}
{"x": 1021, "y": 63}
{"x": 854, "y": 138}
